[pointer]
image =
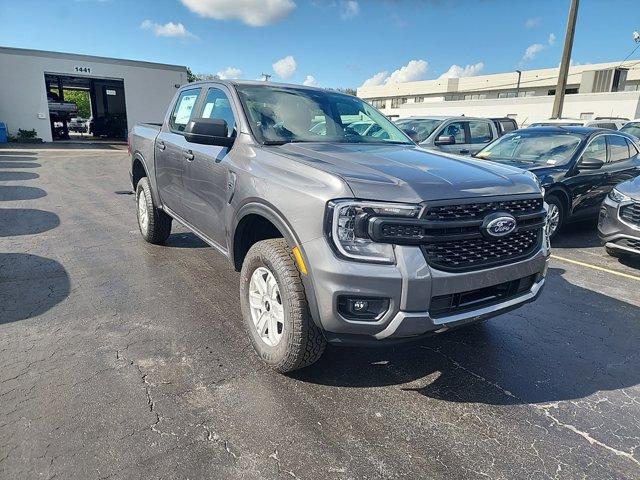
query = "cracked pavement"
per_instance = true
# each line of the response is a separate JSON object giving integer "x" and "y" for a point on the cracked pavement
{"x": 124, "y": 360}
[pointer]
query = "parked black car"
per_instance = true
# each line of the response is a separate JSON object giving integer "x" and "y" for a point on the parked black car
{"x": 577, "y": 166}
{"x": 619, "y": 221}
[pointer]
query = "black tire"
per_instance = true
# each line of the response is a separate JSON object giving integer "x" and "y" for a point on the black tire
{"x": 302, "y": 342}
{"x": 158, "y": 228}
{"x": 554, "y": 200}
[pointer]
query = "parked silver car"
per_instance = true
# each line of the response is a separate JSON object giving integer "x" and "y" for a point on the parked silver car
{"x": 459, "y": 135}
{"x": 619, "y": 221}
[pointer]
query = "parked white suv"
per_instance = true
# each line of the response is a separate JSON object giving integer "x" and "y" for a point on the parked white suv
{"x": 599, "y": 122}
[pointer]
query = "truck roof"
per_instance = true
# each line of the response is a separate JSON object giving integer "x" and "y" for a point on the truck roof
{"x": 258, "y": 83}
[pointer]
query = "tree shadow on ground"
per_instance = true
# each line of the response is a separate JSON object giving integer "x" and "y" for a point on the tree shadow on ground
{"x": 18, "y": 164}
{"x": 12, "y": 176}
{"x": 26, "y": 221}
{"x": 569, "y": 344}
{"x": 30, "y": 285}
{"x": 19, "y": 192}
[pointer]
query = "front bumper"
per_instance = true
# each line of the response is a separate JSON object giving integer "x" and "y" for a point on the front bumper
{"x": 614, "y": 232}
{"x": 410, "y": 286}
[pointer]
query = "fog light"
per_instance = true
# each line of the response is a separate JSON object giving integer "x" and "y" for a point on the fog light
{"x": 362, "y": 308}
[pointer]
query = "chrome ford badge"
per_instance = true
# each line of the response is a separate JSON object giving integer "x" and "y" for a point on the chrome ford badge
{"x": 498, "y": 225}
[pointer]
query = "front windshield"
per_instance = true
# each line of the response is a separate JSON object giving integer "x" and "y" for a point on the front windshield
{"x": 421, "y": 128}
{"x": 632, "y": 128}
{"x": 541, "y": 148}
{"x": 285, "y": 115}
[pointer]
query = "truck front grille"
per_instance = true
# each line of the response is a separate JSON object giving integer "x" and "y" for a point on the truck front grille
{"x": 456, "y": 243}
{"x": 480, "y": 252}
{"x": 452, "y": 236}
{"x": 479, "y": 210}
{"x": 631, "y": 213}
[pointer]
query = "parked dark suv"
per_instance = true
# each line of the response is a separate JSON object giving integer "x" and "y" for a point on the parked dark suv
{"x": 577, "y": 166}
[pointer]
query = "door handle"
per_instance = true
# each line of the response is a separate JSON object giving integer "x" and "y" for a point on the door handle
{"x": 161, "y": 145}
{"x": 188, "y": 155}
{"x": 464, "y": 151}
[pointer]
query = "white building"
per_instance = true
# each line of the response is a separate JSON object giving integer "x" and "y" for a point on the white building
{"x": 596, "y": 90}
{"x": 122, "y": 92}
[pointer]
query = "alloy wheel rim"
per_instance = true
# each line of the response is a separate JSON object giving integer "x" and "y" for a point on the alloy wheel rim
{"x": 553, "y": 219}
{"x": 265, "y": 304}
{"x": 143, "y": 213}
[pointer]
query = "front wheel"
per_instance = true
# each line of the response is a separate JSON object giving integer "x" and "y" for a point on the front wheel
{"x": 555, "y": 217}
{"x": 275, "y": 310}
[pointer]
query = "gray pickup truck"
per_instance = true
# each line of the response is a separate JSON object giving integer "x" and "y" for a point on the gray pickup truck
{"x": 339, "y": 236}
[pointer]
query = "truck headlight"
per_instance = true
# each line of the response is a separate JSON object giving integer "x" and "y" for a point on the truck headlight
{"x": 617, "y": 196}
{"x": 347, "y": 227}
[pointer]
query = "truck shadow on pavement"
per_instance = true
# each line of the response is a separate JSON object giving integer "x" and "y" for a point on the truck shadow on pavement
{"x": 30, "y": 285}
{"x": 19, "y": 192}
{"x": 26, "y": 221}
{"x": 569, "y": 344}
{"x": 185, "y": 240}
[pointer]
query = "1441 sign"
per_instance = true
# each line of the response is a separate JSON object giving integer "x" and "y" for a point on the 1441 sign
{"x": 83, "y": 69}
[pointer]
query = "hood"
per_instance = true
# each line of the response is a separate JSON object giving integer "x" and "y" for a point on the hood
{"x": 546, "y": 173}
{"x": 630, "y": 188}
{"x": 406, "y": 173}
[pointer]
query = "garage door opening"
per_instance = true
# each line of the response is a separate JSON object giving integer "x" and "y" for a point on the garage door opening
{"x": 82, "y": 108}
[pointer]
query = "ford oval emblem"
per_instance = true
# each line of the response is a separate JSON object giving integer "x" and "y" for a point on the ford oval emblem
{"x": 498, "y": 225}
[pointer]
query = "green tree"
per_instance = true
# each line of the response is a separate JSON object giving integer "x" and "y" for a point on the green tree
{"x": 80, "y": 98}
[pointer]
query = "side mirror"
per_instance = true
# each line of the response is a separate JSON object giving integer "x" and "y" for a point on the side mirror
{"x": 445, "y": 140}
{"x": 412, "y": 134}
{"x": 208, "y": 131}
{"x": 590, "y": 164}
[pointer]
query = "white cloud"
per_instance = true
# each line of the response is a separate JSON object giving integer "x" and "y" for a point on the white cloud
{"x": 229, "y": 73}
{"x": 412, "y": 71}
{"x": 310, "y": 81}
{"x": 552, "y": 39}
{"x": 377, "y": 79}
{"x": 169, "y": 29}
{"x": 456, "y": 71}
{"x": 532, "y": 52}
{"x": 532, "y": 22}
{"x": 256, "y": 13}
{"x": 349, "y": 9}
{"x": 285, "y": 67}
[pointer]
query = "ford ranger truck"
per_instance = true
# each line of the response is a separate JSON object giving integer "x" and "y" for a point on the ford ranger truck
{"x": 339, "y": 236}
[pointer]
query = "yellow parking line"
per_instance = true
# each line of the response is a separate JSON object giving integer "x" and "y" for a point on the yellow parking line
{"x": 595, "y": 267}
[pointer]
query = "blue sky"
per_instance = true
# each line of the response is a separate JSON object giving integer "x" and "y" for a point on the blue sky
{"x": 340, "y": 43}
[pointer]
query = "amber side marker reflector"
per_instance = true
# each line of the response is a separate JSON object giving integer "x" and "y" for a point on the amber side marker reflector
{"x": 297, "y": 254}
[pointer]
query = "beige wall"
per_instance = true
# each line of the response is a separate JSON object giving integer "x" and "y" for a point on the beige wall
{"x": 23, "y": 99}
{"x": 530, "y": 109}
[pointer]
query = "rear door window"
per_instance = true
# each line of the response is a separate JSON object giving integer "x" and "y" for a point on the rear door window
{"x": 183, "y": 109}
{"x": 618, "y": 148}
{"x": 479, "y": 132}
{"x": 508, "y": 126}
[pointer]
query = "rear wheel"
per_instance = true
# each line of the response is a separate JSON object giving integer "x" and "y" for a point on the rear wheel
{"x": 556, "y": 215}
{"x": 275, "y": 309}
{"x": 154, "y": 224}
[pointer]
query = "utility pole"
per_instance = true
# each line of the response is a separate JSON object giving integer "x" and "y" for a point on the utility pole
{"x": 519, "y": 72}
{"x": 265, "y": 77}
{"x": 558, "y": 101}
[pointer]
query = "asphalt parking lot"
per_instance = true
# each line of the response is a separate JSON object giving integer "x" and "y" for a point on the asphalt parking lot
{"x": 121, "y": 359}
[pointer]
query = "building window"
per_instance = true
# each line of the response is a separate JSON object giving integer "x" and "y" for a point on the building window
{"x": 631, "y": 87}
{"x": 507, "y": 94}
{"x": 379, "y": 103}
{"x": 451, "y": 98}
{"x": 397, "y": 102}
{"x": 586, "y": 116}
{"x": 418, "y": 99}
{"x": 567, "y": 91}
